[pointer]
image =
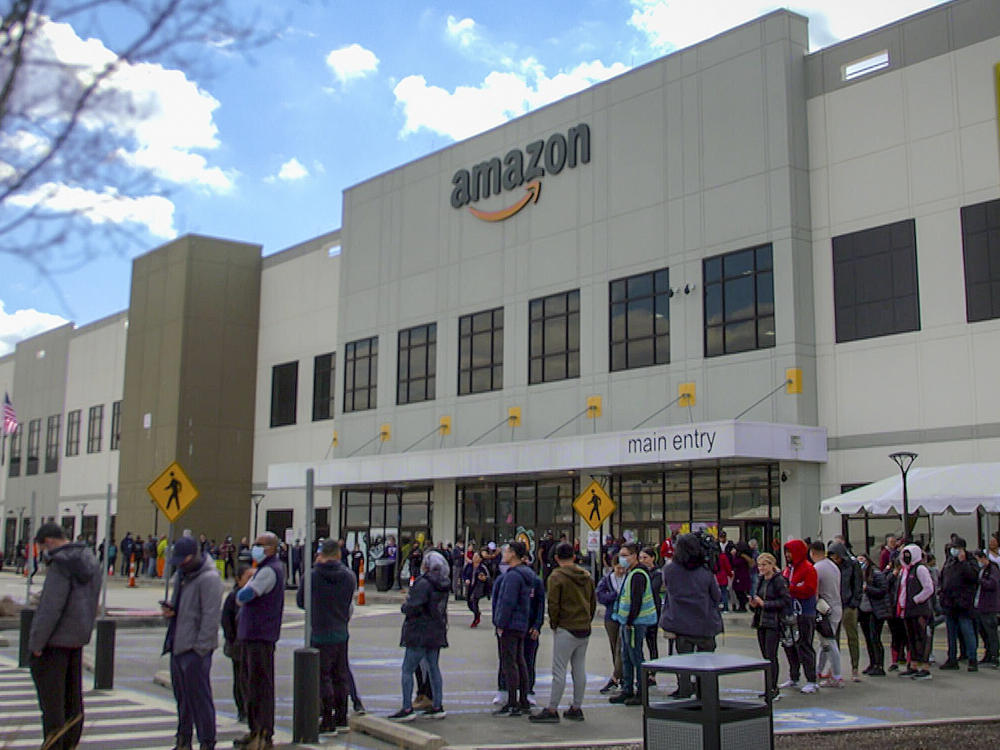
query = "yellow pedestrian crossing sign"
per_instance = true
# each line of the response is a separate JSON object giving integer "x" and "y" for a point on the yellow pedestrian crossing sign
{"x": 173, "y": 492}
{"x": 594, "y": 505}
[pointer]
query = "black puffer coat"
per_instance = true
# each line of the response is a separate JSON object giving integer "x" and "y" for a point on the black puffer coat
{"x": 426, "y": 612}
{"x": 777, "y": 601}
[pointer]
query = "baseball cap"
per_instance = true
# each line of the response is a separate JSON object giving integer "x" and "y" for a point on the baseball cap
{"x": 491, "y": 546}
{"x": 182, "y": 548}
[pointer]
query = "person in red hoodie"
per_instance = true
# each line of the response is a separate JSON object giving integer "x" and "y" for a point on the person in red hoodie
{"x": 802, "y": 585}
{"x": 724, "y": 577}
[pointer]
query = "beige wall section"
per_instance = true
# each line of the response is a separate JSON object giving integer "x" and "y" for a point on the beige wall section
{"x": 191, "y": 366}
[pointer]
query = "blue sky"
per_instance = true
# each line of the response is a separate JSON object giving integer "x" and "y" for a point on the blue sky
{"x": 262, "y": 150}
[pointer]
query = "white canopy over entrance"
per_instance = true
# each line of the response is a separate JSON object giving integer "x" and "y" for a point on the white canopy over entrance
{"x": 962, "y": 488}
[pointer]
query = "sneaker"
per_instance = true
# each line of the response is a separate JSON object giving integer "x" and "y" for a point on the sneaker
{"x": 422, "y": 702}
{"x": 876, "y": 672}
{"x": 908, "y": 672}
{"x": 499, "y": 698}
{"x": 620, "y": 698}
{"x": 823, "y": 676}
{"x": 633, "y": 700}
{"x": 893, "y": 667}
{"x": 433, "y": 713}
{"x": 611, "y": 685}
{"x": 326, "y": 726}
{"x": 832, "y": 682}
{"x": 789, "y": 684}
{"x": 545, "y": 716}
{"x": 243, "y": 741}
{"x": 809, "y": 688}
{"x": 855, "y": 677}
{"x": 951, "y": 664}
{"x": 573, "y": 714}
{"x": 403, "y": 714}
{"x": 973, "y": 667}
{"x": 359, "y": 709}
{"x": 506, "y": 711}
{"x": 922, "y": 674}
{"x": 531, "y": 700}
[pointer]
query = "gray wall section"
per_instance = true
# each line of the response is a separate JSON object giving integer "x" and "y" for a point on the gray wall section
{"x": 191, "y": 365}
{"x": 919, "y": 37}
{"x": 39, "y": 391}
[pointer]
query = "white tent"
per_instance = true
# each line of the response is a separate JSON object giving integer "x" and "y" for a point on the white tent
{"x": 962, "y": 488}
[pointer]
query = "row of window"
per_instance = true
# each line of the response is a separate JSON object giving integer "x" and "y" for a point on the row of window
{"x": 875, "y": 294}
{"x": 53, "y": 426}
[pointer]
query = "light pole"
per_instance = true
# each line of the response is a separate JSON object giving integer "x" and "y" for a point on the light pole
{"x": 257, "y": 497}
{"x": 905, "y": 459}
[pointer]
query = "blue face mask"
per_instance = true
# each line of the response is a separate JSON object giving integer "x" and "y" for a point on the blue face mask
{"x": 953, "y": 552}
{"x": 257, "y": 553}
{"x": 623, "y": 561}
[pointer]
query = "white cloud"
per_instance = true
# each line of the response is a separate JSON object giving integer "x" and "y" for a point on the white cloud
{"x": 154, "y": 212}
{"x": 502, "y": 95}
{"x": 292, "y": 170}
{"x": 22, "y": 324}
{"x": 352, "y": 62}
{"x": 674, "y": 24}
{"x": 462, "y": 31}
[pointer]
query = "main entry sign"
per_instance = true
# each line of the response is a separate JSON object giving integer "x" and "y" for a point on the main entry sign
{"x": 173, "y": 492}
{"x": 594, "y": 505}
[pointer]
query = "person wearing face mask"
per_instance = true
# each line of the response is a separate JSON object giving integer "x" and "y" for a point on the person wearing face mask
{"x": 959, "y": 576}
{"x": 193, "y": 616}
{"x": 608, "y": 590}
{"x": 913, "y": 605}
{"x": 60, "y": 629}
{"x": 873, "y": 611}
{"x": 987, "y": 605}
{"x": 636, "y": 614}
{"x": 262, "y": 603}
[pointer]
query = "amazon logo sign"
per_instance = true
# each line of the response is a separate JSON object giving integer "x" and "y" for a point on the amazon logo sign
{"x": 520, "y": 168}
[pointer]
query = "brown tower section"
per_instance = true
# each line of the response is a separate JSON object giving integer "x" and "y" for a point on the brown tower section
{"x": 190, "y": 375}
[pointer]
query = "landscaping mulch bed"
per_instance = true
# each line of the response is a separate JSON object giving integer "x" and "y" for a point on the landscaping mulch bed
{"x": 932, "y": 737}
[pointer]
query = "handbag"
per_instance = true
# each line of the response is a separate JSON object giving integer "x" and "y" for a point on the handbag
{"x": 823, "y": 625}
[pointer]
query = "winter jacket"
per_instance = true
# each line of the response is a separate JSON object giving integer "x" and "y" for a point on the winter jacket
{"x": 572, "y": 599}
{"x": 477, "y": 588}
{"x": 879, "y": 596}
{"x": 851, "y": 577}
{"x": 608, "y": 590}
{"x": 426, "y": 612}
{"x": 536, "y": 612}
{"x": 512, "y": 599}
{"x": 332, "y": 589}
{"x": 741, "y": 568}
{"x": 958, "y": 584}
{"x": 915, "y": 587}
{"x": 197, "y": 607}
{"x": 777, "y": 601}
{"x": 723, "y": 570}
{"x": 801, "y": 576}
{"x": 229, "y": 611}
{"x": 656, "y": 581}
{"x": 691, "y": 598}
{"x": 68, "y": 605}
{"x": 988, "y": 593}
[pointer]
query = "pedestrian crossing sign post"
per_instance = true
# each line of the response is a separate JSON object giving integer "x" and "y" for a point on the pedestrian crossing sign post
{"x": 594, "y": 505}
{"x": 173, "y": 492}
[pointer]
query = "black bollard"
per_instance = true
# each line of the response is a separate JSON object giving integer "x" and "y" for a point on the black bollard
{"x": 104, "y": 655}
{"x": 305, "y": 696}
{"x": 24, "y": 655}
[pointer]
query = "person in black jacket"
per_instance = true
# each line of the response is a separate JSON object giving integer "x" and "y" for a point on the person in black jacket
{"x": 231, "y": 646}
{"x": 851, "y": 590}
{"x": 647, "y": 558}
{"x": 770, "y": 601}
{"x": 332, "y": 596}
{"x": 477, "y": 582}
{"x": 425, "y": 633}
{"x": 959, "y": 578}
{"x": 874, "y": 610}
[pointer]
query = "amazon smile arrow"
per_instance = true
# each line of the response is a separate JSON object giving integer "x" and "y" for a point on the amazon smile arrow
{"x": 531, "y": 192}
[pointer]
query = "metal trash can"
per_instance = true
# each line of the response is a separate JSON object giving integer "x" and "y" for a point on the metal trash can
{"x": 382, "y": 569}
{"x": 706, "y": 721}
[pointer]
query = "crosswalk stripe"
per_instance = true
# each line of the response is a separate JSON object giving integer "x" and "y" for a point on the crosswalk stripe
{"x": 98, "y": 740}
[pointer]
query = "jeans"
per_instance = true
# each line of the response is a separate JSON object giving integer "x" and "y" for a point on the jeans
{"x": 568, "y": 649}
{"x": 58, "y": 676}
{"x": 258, "y": 659}
{"x": 632, "y": 638}
{"x": 411, "y": 660}
{"x": 190, "y": 677}
{"x": 959, "y": 622}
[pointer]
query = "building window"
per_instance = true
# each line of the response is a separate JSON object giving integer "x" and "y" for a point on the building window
{"x": 34, "y": 439}
{"x": 95, "y": 428}
{"x": 417, "y": 364}
{"x": 554, "y": 337}
{"x": 361, "y": 374}
{"x": 981, "y": 252}
{"x": 324, "y": 369}
{"x": 116, "y": 425}
{"x": 739, "y": 301}
{"x": 15, "y": 453}
{"x": 640, "y": 320}
{"x": 52, "y": 443}
{"x": 480, "y": 352}
{"x": 875, "y": 282}
{"x": 73, "y": 433}
{"x": 284, "y": 393}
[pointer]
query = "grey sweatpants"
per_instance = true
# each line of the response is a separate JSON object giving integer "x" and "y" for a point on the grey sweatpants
{"x": 568, "y": 649}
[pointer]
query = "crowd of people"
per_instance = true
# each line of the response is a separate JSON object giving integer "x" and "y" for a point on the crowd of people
{"x": 823, "y": 593}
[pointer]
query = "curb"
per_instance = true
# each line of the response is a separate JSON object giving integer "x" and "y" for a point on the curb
{"x": 400, "y": 735}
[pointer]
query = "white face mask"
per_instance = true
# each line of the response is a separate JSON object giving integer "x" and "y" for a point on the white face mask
{"x": 257, "y": 553}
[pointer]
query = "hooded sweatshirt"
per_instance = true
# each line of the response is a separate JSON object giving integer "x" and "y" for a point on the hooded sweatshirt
{"x": 571, "y": 598}
{"x": 426, "y": 612}
{"x": 68, "y": 606}
{"x": 801, "y": 576}
{"x": 915, "y": 584}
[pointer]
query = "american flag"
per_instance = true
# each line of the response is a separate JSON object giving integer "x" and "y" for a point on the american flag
{"x": 10, "y": 422}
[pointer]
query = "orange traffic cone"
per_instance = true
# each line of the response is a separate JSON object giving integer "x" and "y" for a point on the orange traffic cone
{"x": 131, "y": 573}
{"x": 361, "y": 584}
{"x": 412, "y": 579}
